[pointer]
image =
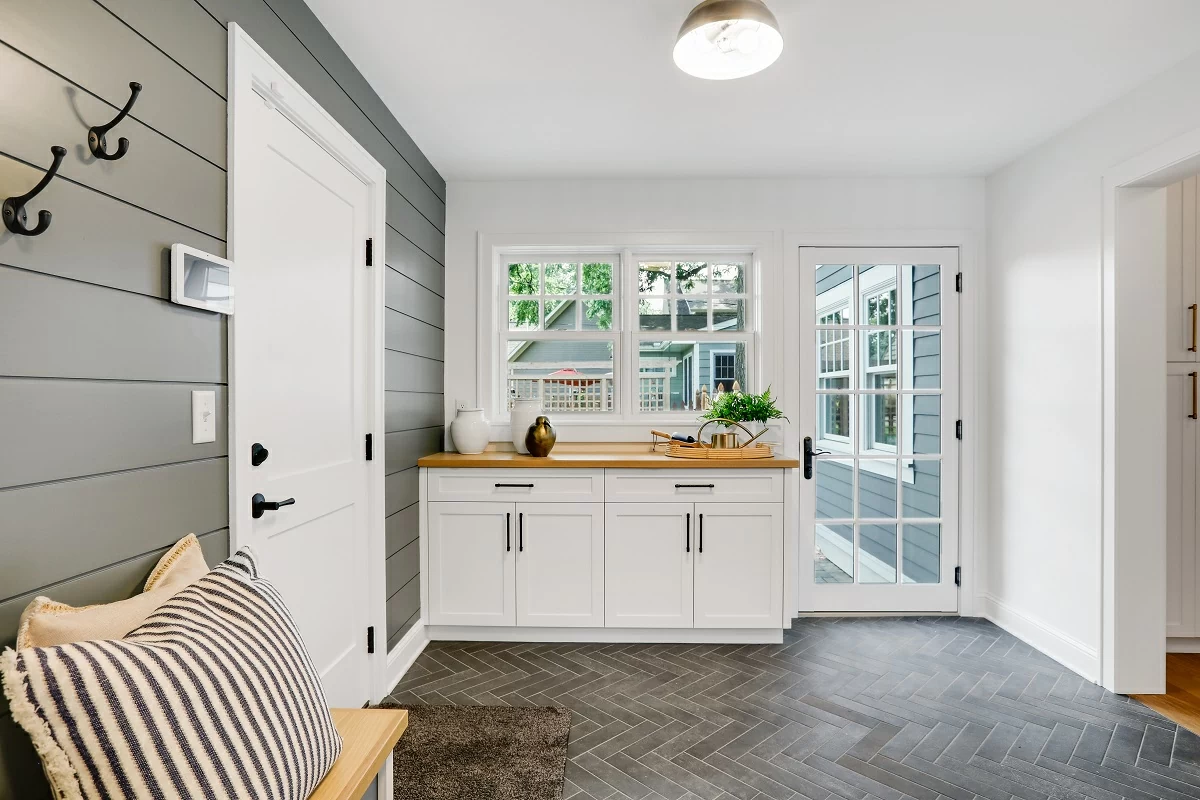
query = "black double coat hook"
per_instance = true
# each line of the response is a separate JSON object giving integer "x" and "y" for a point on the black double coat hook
{"x": 96, "y": 142}
{"x": 13, "y": 210}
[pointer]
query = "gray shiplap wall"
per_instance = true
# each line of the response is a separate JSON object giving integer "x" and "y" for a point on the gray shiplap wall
{"x": 98, "y": 475}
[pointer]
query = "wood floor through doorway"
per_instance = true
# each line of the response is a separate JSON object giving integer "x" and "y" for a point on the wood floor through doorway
{"x": 1181, "y": 703}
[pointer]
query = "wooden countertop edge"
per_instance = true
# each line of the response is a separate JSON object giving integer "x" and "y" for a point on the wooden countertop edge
{"x": 625, "y": 460}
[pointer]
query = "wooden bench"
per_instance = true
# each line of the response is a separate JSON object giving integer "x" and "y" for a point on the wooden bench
{"x": 368, "y": 736}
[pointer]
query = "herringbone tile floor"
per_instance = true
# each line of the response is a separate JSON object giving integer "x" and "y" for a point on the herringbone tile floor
{"x": 880, "y": 709}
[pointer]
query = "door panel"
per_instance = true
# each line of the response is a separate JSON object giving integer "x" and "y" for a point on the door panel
{"x": 1183, "y": 327}
{"x": 1181, "y": 503}
{"x": 472, "y": 556}
{"x": 560, "y": 564}
{"x": 648, "y": 550}
{"x": 879, "y": 397}
{"x": 299, "y": 388}
{"x": 738, "y": 565}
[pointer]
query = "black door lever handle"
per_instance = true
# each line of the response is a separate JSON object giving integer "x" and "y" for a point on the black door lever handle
{"x": 259, "y": 505}
{"x": 809, "y": 455}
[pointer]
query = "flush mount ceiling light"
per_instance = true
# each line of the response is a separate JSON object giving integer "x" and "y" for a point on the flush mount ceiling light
{"x": 724, "y": 39}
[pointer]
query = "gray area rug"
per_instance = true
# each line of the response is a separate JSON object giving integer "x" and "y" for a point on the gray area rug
{"x": 482, "y": 753}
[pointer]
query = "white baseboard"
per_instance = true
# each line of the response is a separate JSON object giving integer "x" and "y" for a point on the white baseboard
{"x": 1183, "y": 644}
{"x": 401, "y": 657}
{"x": 483, "y": 633}
{"x": 1066, "y": 650}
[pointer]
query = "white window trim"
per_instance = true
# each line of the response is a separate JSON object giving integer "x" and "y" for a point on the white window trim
{"x": 495, "y": 248}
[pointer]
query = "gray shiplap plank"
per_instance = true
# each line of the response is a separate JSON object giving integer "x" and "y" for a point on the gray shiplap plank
{"x": 405, "y": 295}
{"x": 402, "y": 605}
{"x": 403, "y": 449}
{"x": 92, "y": 522}
{"x": 110, "y": 243}
{"x": 406, "y": 258}
{"x": 404, "y": 334}
{"x": 405, "y": 411}
{"x": 115, "y": 582}
{"x": 402, "y": 567}
{"x": 85, "y": 44}
{"x": 182, "y": 30}
{"x": 404, "y": 372}
{"x": 401, "y": 490}
{"x": 59, "y": 429}
{"x": 402, "y": 528}
{"x": 157, "y": 174}
{"x": 265, "y": 28}
{"x": 58, "y": 328}
{"x": 413, "y": 225}
{"x": 305, "y": 25}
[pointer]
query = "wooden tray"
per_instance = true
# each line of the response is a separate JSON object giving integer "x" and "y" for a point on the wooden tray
{"x": 678, "y": 450}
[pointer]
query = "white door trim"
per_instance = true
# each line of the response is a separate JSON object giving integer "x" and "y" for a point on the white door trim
{"x": 1132, "y": 365}
{"x": 294, "y": 103}
{"x": 972, "y": 509}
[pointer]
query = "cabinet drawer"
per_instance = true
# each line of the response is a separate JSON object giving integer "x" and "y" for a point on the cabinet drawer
{"x": 519, "y": 485}
{"x": 697, "y": 485}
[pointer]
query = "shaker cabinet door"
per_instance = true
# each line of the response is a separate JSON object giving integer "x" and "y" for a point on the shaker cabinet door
{"x": 739, "y": 565}
{"x": 648, "y": 549}
{"x": 472, "y": 550}
{"x": 560, "y": 565}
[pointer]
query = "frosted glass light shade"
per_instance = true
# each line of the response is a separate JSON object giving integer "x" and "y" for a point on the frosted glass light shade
{"x": 725, "y": 39}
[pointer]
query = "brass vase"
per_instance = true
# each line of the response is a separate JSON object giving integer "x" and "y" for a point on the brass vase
{"x": 540, "y": 438}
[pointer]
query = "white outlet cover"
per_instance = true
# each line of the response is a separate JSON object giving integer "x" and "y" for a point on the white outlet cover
{"x": 204, "y": 416}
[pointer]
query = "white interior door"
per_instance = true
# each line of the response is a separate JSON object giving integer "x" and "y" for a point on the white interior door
{"x": 879, "y": 400}
{"x": 303, "y": 371}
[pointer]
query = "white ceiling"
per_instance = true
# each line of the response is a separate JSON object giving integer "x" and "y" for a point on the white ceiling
{"x": 587, "y": 88}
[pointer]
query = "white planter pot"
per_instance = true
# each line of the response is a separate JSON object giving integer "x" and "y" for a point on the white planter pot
{"x": 470, "y": 431}
{"x": 524, "y": 414}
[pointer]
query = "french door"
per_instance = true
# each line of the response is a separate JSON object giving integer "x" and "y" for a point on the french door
{"x": 879, "y": 401}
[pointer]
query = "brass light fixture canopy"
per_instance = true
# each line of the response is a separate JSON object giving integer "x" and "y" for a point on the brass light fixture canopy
{"x": 726, "y": 39}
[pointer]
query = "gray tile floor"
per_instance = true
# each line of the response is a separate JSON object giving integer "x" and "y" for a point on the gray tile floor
{"x": 881, "y": 709}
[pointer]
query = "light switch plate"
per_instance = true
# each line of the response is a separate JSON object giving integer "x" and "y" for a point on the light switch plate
{"x": 204, "y": 417}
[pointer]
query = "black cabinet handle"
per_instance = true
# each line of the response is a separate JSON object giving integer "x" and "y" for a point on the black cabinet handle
{"x": 259, "y": 505}
{"x": 687, "y": 537}
{"x": 521, "y": 532}
{"x": 695, "y": 486}
{"x": 508, "y": 532}
{"x": 701, "y": 533}
{"x": 514, "y": 485}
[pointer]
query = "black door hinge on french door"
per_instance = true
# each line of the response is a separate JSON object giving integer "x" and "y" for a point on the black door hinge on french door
{"x": 370, "y": 447}
{"x": 958, "y": 430}
{"x": 957, "y": 283}
{"x": 370, "y": 252}
{"x": 958, "y": 576}
{"x": 371, "y": 639}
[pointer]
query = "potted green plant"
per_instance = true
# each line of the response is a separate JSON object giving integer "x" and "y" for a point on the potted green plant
{"x": 742, "y": 407}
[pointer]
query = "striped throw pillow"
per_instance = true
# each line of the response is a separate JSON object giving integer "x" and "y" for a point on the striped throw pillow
{"x": 214, "y": 696}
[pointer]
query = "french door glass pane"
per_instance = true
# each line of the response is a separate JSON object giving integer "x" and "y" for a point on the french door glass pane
{"x": 833, "y": 560}
{"x": 877, "y": 553}
{"x": 876, "y": 489}
{"x": 879, "y": 423}
{"x": 835, "y": 305}
{"x": 923, "y": 288}
{"x": 834, "y": 419}
{"x": 922, "y": 359}
{"x": 921, "y": 488}
{"x": 877, "y": 294}
{"x": 922, "y": 422}
{"x": 922, "y": 552}
{"x": 835, "y": 488}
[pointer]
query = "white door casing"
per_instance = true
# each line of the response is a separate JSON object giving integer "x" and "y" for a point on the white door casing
{"x": 472, "y": 563}
{"x": 305, "y": 365}
{"x": 737, "y": 580}
{"x": 560, "y": 565}
{"x": 864, "y": 329}
{"x": 648, "y": 550}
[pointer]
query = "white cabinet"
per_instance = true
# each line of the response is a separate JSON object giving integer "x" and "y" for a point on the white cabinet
{"x": 1183, "y": 327}
{"x": 648, "y": 565}
{"x": 737, "y": 583}
{"x": 1182, "y": 597}
{"x": 471, "y": 564}
{"x": 560, "y": 564}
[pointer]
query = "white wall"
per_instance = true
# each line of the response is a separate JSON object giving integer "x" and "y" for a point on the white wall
{"x": 1043, "y": 362}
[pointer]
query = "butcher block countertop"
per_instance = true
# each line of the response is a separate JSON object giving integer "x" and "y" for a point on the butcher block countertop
{"x": 623, "y": 455}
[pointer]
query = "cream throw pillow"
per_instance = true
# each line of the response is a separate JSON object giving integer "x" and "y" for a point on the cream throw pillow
{"x": 45, "y": 623}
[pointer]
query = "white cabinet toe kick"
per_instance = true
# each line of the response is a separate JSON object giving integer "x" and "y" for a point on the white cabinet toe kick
{"x": 603, "y": 555}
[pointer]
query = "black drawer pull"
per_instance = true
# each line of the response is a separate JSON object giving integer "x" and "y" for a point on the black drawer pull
{"x": 514, "y": 485}
{"x": 508, "y": 532}
{"x": 687, "y": 541}
{"x": 701, "y": 533}
{"x": 521, "y": 532}
{"x": 695, "y": 486}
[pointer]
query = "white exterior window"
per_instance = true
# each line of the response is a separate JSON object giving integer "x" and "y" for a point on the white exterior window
{"x": 623, "y": 336}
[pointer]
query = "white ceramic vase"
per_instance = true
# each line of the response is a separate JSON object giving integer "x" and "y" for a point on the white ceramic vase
{"x": 524, "y": 413}
{"x": 470, "y": 431}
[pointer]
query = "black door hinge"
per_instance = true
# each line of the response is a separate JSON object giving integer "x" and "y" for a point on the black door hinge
{"x": 371, "y": 252}
{"x": 957, "y": 282}
{"x": 370, "y": 447}
{"x": 958, "y": 430}
{"x": 958, "y": 576}
{"x": 371, "y": 639}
